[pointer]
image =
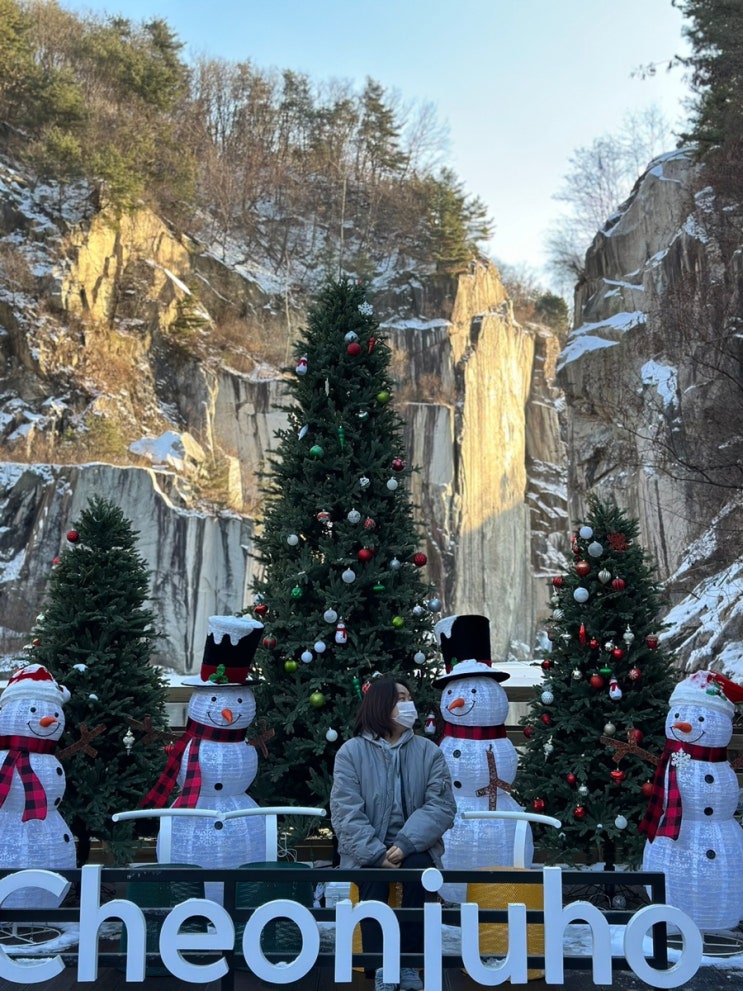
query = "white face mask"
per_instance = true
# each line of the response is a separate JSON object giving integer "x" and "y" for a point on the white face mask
{"x": 406, "y": 714}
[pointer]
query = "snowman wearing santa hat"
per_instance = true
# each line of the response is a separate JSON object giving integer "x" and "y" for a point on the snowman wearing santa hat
{"x": 482, "y": 760}
{"x": 213, "y": 763}
{"x": 32, "y": 781}
{"x": 692, "y": 834}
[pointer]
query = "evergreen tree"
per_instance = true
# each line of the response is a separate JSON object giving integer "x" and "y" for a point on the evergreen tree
{"x": 342, "y": 595}
{"x": 606, "y": 677}
{"x": 96, "y": 636}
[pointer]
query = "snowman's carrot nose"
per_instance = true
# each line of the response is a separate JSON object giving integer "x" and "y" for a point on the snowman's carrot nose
{"x": 227, "y": 713}
{"x": 456, "y": 704}
{"x": 682, "y": 727}
{"x": 47, "y": 721}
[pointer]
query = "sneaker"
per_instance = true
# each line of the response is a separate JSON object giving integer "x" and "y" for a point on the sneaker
{"x": 410, "y": 979}
{"x": 380, "y": 984}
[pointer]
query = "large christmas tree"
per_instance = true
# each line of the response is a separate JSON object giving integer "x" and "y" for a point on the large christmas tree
{"x": 96, "y": 636}
{"x": 607, "y": 677}
{"x": 342, "y": 593}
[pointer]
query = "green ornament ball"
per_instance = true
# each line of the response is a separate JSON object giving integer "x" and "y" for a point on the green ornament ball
{"x": 398, "y": 622}
{"x": 290, "y": 666}
{"x": 296, "y": 592}
{"x": 383, "y": 397}
{"x": 316, "y": 451}
{"x": 317, "y": 700}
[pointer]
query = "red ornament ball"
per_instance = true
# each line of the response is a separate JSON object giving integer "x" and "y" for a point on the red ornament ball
{"x": 652, "y": 641}
{"x": 634, "y": 735}
{"x": 261, "y": 609}
{"x": 56, "y": 561}
{"x": 647, "y": 788}
{"x": 617, "y": 653}
{"x": 558, "y": 581}
{"x": 419, "y": 560}
{"x": 546, "y": 718}
{"x": 269, "y": 642}
{"x": 538, "y": 805}
{"x": 369, "y": 523}
{"x": 547, "y": 663}
{"x": 528, "y": 732}
{"x": 398, "y": 464}
{"x": 354, "y": 348}
{"x": 634, "y": 674}
{"x": 596, "y": 681}
{"x": 579, "y": 812}
{"x": 73, "y": 536}
{"x": 365, "y": 554}
{"x": 583, "y": 568}
{"x": 571, "y": 779}
{"x": 618, "y": 584}
{"x": 593, "y": 643}
{"x": 617, "y": 776}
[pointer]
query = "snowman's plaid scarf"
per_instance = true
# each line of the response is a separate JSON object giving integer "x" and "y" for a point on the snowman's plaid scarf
{"x": 665, "y": 801}
{"x": 158, "y": 795}
{"x": 17, "y": 759}
{"x": 475, "y": 732}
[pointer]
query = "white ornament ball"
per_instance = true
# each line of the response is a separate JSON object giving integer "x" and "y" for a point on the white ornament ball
{"x": 330, "y": 615}
{"x": 354, "y": 516}
{"x": 93, "y": 697}
{"x": 585, "y": 532}
{"x": 609, "y": 729}
{"x": 349, "y": 576}
{"x": 320, "y": 647}
{"x": 292, "y": 540}
{"x": 395, "y": 564}
{"x": 418, "y": 610}
{"x": 620, "y": 822}
{"x": 351, "y": 336}
{"x": 419, "y": 657}
{"x": 392, "y": 484}
{"x": 595, "y": 549}
{"x": 331, "y": 736}
{"x": 577, "y": 674}
{"x": 306, "y": 656}
{"x": 548, "y": 748}
{"x": 582, "y": 789}
{"x": 604, "y": 576}
{"x": 80, "y": 667}
{"x": 548, "y": 698}
{"x": 364, "y": 482}
{"x": 557, "y": 614}
{"x": 580, "y": 594}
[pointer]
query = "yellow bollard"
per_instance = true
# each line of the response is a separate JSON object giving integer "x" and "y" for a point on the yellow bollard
{"x": 494, "y": 935}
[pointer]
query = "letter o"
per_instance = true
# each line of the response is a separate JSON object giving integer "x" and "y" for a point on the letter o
{"x": 281, "y": 908}
{"x": 691, "y": 957}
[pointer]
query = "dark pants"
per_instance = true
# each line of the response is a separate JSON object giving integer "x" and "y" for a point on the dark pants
{"x": 413, "y": 896}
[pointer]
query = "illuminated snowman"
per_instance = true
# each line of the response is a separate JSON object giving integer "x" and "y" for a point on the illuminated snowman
{"x": 32, "y": 782}
{"x": 482, "y": 760}
{"x": 213, "y": 763}
{"x": 692, "y": 835}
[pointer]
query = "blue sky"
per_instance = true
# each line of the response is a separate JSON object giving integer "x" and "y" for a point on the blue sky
{"x": 521, "y": 83}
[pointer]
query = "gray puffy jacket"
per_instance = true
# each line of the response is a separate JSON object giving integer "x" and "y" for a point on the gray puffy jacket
{"x": 362, "y": 798}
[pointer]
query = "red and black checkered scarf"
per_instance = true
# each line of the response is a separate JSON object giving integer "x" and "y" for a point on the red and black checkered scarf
{"x": 665, "y": 801}
{"x": 475, "y": 732}
{"x": 158, "y": 795}
{"x": 19, "y": 747}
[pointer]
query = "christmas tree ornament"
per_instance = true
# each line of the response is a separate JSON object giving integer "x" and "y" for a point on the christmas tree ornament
{"x": 646, "y": 788}
{"x": 546, "y": 718}
{"x": 383, "y": 397}
{"x": 571, "y": 779}
{"x": 420, "y": 560}
{"x": 582, "y": 635}
{"x": 548, "y": 747}
{"x": 429, "y": 726}
{"x": 634, "y": 674}
{"x": 558, "y": 581}
{"x": 341, "y": 633}
{"x": 621, "y": 822}
{"x": 579, "y": 812}
{"x": 395, "y": 564}
{"x": 618, "y": 584}
{"x": 317, "y": 700}
{"x": 331, "y": 735}
{"x": 364, "y": 482}
{"x": 577, "y": 674}
{"x": 583, "y": 568}
{"x": 269, "y": 642}
{"x": 605, "y": 671}
{"x": 378, "y": 587}
{"x": 419, "y": 657}
{"x": 547, "y": 697}
{"x": 547, "y": 664}
{"x": 351, "y": 336}
{"x": 290, "y": 665}
{"x": 303, "y": 432}
{"x": 292, "y": 539}
{"x": 366, "y": 309}
{"x": 628, "y": 636}
{"x": 557, "y": 614}
{"x": 398, "y": 622}
{"x": 604, "y": 576}
{"x": 528, "y": 732}
{"x": 73, "y": 536}
{"x": 593, "y": 643}
{"x": 538, "y": 805}
{"x": 330, "y": 615}
{"x": 596, "y": 681}
{"x": 56, "y": 562}
{"x": 365, "y": 554}
{"x": 320, "y": 647}
{"x": 398, "y": 464}
{"x": 316, "y": 451}
{"x": 354, "y": 516}
{"x": 260, "y": 609}
{"x": 652, "y": 641}
{"x": 583, "y": 790}
{"x": 617, "y": 776}
{"x": 354, "y": 348}
{"x": 297, "y": 592}
{"x": 392, "y": 484}
{"x": 635, "y": 735}
{"x": 349, "y": 576}
{"x": 371, "y": 344}
{"x": 609, "y": 645}
{"x": 617, "y": 542}
{"x": 609, "y": 729}
{"x": 595, "y": 549}
{"x": 302, "y": 365}
{"x": 433, "y": 605}
{"x": 363, "y": 414}
{"x": 369, "y": 523}
{"x": 617, "y": 653}
{"x": 418, "y": 610}
{"x": 580, "y": 594}
{"x": 585, "y": 532}
{"x": 615, "y": 692}
{"x": 356, "y": 682}
{"x": 323, "y": 517}
{"x": 306, "y": 657}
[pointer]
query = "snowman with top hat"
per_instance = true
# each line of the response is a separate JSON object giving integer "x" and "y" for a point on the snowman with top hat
{"x": 692, "y": 834}
{"x": 32, "y": 781}
{"x": 482, "y": 760}
{"x": 213, "y": 763}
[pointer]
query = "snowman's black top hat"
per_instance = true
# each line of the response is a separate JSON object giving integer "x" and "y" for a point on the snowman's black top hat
{"x": 465, "y": 647}
{"x": 231, "y": 643}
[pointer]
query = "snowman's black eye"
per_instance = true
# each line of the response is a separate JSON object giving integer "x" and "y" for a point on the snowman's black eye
{"x": 701, "y": 719}
{"x": 474, "y": 691}
{"x": 214, "y": 698}
{"x": 32, "y": 709}
{"x": 675, "y": 715}
{"x": 239, "y": 701}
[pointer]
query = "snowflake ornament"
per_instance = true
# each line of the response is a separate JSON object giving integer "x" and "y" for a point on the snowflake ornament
{"x": 681, "y": 761}
{"x": 366, "y": 309}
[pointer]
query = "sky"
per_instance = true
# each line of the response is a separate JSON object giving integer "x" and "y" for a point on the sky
{"x": 521, "y": 84}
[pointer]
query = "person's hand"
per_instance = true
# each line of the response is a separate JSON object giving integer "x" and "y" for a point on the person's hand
{"x": 395, "y": 855}
{"x": 388, "y": 863}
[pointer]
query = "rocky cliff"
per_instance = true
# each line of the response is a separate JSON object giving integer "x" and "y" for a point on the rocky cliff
{"x": 652, "y": 383}
{"x": 126, "y": 343}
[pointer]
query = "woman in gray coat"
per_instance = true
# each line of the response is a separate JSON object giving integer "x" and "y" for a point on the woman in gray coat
{"x": 390, "y": 804}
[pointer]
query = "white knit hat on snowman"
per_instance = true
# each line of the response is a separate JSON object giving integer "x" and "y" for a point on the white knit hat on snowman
{"x": 709, "y": 688}
{"x": 34, "y": 681}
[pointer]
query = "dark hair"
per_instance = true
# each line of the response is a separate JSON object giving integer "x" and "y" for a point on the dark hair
{"x": 375, "y": 712}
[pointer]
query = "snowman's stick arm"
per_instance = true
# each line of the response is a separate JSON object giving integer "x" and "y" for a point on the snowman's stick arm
{"x": 83, "y": 743}
{"x": 738, "y": 762}
{"x": 628, "y": 749}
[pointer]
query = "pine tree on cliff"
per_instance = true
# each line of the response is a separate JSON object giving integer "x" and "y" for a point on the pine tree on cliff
{"x": 342, "y": 595}
{"x": 608, "y": 677}
{"x": 96, "y": 636}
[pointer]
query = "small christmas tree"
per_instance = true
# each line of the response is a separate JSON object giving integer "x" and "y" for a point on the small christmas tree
{"x": 607, "y": 677}
{"x": 96, "y": 636}
{"x": 342, "y": 595}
